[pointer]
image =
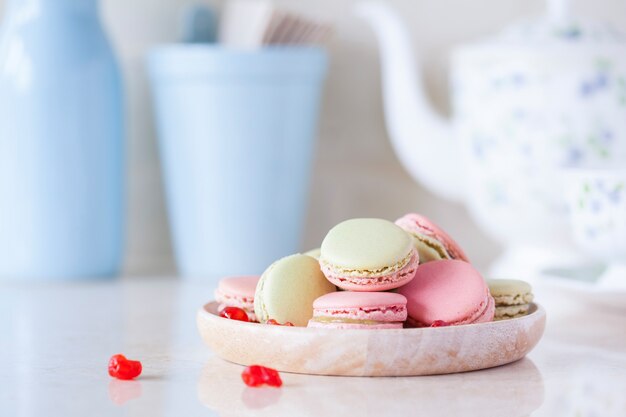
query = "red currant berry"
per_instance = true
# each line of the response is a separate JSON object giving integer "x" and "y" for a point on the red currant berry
{"x": 234, "y": 313}
{"x": 251, "y": 376}
{"x": 271, "y": 376}
{"x": 122, "y": 368}
{"x": 439, "y": 323}
{"x": 257, "y": 375}
{"x": 275, "y": 323}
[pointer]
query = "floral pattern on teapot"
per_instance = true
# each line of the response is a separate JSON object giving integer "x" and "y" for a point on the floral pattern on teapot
{"x": 598, "y": 212}
{"x": 522, "y": 118}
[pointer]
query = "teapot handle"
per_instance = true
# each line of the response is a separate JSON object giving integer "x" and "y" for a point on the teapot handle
{"x": 559, "y": 10}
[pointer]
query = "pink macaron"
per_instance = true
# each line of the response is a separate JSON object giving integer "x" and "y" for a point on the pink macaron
{"x": 431, "y": 241}
{"x": 450, "y": 291}
{"x": 359, "y": 310}
{"x": 237, "y": 291}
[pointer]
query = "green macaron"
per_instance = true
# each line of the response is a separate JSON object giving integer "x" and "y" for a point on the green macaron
{"x": 512, "y": 297}
{"x": 368, "y": 255}
{"x": 366, "y": 244}
{"x": 287, "y": 289}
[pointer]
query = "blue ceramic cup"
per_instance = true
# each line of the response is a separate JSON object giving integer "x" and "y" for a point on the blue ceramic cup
{"x": 237, "y": 132}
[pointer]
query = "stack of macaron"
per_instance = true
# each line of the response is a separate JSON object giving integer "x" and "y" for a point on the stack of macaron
{"x": 373, "y": 274}
{"x": 512, "y": 297}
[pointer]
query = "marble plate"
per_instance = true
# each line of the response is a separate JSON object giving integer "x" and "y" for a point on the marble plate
{"x": 388, "y": 352}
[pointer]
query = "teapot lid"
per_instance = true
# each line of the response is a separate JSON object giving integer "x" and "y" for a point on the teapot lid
{"x": 557, "y": 28}
{"x": 549, "y": 31}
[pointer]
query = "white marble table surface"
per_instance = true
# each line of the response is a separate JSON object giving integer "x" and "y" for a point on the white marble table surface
{"x": 57, "y": 338}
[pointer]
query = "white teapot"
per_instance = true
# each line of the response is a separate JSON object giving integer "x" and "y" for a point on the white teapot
{"x": 544, "y": 95}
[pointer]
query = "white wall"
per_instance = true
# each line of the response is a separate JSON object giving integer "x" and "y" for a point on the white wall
{"x": 351, "y": 129}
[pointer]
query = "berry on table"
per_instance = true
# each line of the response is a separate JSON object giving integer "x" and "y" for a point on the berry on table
{"x": 122, "y": 368}
{"x": 257, "y": 375}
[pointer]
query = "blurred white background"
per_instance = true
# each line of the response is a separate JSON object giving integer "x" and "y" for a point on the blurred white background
{"x": 356, "y": 172}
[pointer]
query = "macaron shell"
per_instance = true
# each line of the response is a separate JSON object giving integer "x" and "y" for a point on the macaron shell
{"x": 428, "y": 236}
{"x": 484, "y": 313}
{"x": 287, "y": 289}
{"x": 510, "y": 292}
{"x": 488, "y": 314}
{"x": 373, "y": 306}
{"x": 379, "y": 326}
{"x": 448, "y": 290}
{"x": 237, "y": 291}
{"x": 365, "y": 244}
{"x": 508, "y": 287}
{"x": 386, "y": 282}
{"x": 243, "y": 286}
{"x": 347, "y": 299}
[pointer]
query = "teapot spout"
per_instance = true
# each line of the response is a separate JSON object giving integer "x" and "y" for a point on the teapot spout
{"x": 421, "y": 137}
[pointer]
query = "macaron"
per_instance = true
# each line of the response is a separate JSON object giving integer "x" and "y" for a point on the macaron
{"x": 287, "y": 289}
{"x": 237, "y": 291}
{"x": 431, "y": 241}
{"x": 448, "y": 291}
{"x": 359, "y": 310}
{"x": 512, "y": 297}
{"x": 368, "y": 255}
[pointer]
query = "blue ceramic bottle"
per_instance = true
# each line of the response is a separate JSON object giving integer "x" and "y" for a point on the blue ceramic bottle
{"x": 61, "y": 143}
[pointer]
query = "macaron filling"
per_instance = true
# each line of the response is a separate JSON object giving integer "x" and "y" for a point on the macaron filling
{"x": 354, "y": 309}
{"x": 437, "y": 243}
{"x": 388, "y": 277}
{"x": 433, "y": 244}
{"x": 227, "y": 300}
{"x": 395, "y": 313}
{"x": 361, "y": 273}
{"x": 431, "y": 248}
{"x": 517, "y": 299}
{"x": 345, "y": 323}
{"x": 345, "y": 320}
{"x": 511, "y": 312}
{"x": 233, "y": 300}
